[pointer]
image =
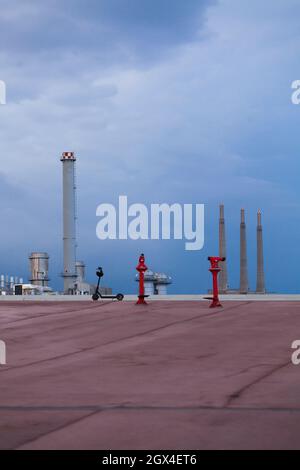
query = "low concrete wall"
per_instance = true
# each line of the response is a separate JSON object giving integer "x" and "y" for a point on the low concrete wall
{"x": 132, "y": 298}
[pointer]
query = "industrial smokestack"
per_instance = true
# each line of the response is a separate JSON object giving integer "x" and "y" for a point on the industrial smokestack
{"x": 69, "y": 221}
{"x": 260, "y": 279}
{"x": 243, "y": 256}
{"x": 223, "y": 281}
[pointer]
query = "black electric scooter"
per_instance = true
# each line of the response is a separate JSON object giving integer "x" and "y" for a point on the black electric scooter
{"x": 98, "y": 295}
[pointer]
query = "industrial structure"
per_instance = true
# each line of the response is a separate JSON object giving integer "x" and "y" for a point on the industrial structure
{"x": 155, "y": 283}
{"x": 39, "y": 269}
{"x": 14, "y": 285}
{"x": 161, "y": 282}
{"x": 260, "y": 278}
{"x": 8, "y": 283}
{"x": 243, "y": 256}
{"x": 80, "y": 271}
{"x": 68, "y": 160}
{"x": 149, "y": 277}
{"x": 244, "y": 285}
{"x": 73, "y": 270}
{"x": 81, "y": 286}
{"x": 223, "y": 279}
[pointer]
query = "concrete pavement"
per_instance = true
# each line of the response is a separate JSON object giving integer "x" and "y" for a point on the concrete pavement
{"x": 169, "y": 375}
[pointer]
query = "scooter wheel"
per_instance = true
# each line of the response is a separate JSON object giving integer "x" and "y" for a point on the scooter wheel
{"x": 119, "y": 297}
{"x": 95, "y": 297}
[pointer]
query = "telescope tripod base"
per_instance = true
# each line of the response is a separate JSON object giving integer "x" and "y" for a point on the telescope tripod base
{"x": 215, "y": 302}
{"x": 141, "y": 300}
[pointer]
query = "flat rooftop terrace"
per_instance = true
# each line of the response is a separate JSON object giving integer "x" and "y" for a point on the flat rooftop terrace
{"x": 169, "y": 375}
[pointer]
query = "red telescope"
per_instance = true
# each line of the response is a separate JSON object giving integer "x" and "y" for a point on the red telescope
{"x": 215, "y": 269}
{"x": 141, "y": 268}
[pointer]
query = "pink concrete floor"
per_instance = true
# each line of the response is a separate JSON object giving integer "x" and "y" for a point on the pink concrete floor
{"x": 170, "y": 375}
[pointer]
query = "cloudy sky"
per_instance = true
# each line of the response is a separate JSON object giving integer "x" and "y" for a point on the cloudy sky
{"x": 183, "y": 101}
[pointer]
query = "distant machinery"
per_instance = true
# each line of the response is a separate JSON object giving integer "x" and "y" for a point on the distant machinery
{"x": 68, "y": 160}
{"x": 161, "y": 282}
{"x": 155, "y": 283}
{"x": 80, "y": 285}
{"x": 80, "y": 271}
{"x": 31, "y": 289}
{"x": 8, "y": 283}
{"x": 39, "y": 269}
{"x": 149, "y": 279}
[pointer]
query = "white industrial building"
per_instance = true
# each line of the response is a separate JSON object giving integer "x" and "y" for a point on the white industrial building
{"x": 155, "y": 283}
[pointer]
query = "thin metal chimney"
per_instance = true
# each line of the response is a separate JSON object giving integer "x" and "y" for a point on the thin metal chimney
{"x": 68, "y": 160}
{"x": 243, "y": 256}
{"x": 223, "y": 279}
{"x": 260, "y": 277}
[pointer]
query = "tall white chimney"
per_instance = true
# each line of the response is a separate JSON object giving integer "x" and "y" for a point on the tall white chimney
{"x": 68, "y": 160}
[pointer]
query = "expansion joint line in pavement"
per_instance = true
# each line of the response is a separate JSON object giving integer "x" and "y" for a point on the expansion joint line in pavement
{"x": 236, "y": 395}
{"x": 94, "y": 409}
{"x": 144, "y": 333}
{"x": 153, "y": 330}
{"x": 62, "y": 312}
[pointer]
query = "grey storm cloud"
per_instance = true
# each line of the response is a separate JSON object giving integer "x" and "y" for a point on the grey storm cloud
{"x": 10, "y": 193}
{"x": 112, "y": 29}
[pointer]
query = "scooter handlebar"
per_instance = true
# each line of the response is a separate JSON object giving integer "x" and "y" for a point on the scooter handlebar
{"x": 99, "y": 272}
